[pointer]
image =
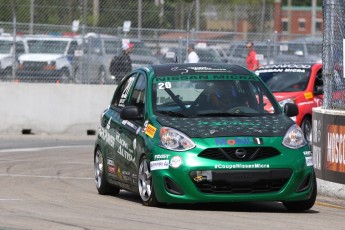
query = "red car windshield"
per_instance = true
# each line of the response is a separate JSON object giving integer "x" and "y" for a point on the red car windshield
{"x": 286, "y": 81}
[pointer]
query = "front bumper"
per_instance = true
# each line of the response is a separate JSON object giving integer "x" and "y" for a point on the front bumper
{"x": 284, "y": 177}
{"x": 39, "y": 74}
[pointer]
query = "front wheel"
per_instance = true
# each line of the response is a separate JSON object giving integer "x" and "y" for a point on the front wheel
{"x": 145, "y": 184}
{"x": 303, "y": 205}
{"x": 102, "y": 185}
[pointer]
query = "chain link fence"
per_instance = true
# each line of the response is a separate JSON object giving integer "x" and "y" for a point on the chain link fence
{"x": 333, "y": 55}
{"x": 73, "y": 41}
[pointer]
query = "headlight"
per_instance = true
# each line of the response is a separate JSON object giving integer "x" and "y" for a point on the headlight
{"x": 175, "y": 140}
{"x": 283, "y": 102}
{"x": 294, "y": 138}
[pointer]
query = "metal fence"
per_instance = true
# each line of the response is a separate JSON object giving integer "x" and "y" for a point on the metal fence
{"x": 72, "y": 41}
{"x": 333, "y": 54}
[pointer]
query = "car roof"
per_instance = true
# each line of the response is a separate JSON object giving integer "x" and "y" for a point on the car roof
{"x": 49, "y": 38}
{"x": 199, "y": 68}
{"x": 291, "y": 65}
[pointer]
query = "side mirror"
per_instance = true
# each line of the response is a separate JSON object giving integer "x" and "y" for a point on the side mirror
{"x": 291, "y": 109}
{"x": 318, "y": 90}
{"x": 130, "y": 113}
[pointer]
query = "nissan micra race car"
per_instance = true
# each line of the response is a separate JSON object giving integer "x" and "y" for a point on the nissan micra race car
{"x": 191, "y": 133}
{"x": 299, "y": 83}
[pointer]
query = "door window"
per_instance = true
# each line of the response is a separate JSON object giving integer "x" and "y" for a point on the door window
{"x": 121, "y": 95}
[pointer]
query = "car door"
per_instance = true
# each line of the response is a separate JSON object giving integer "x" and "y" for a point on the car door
{"x": 129, "y": 137}
{"x": 123, "y": 155}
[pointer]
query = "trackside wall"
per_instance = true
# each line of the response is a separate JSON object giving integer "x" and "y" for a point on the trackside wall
{"x": 52, "y": 108}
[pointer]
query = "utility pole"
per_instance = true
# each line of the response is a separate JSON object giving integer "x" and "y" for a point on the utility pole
{"x": 32, "y": 8}
{"x": 313, "y": 17}
{"x": 95, "y": 12}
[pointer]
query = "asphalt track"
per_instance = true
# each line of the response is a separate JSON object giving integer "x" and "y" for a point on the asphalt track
{"x": 47, "y": 182}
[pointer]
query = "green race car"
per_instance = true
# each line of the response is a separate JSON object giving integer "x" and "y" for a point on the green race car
{"x": 191, "y": 133}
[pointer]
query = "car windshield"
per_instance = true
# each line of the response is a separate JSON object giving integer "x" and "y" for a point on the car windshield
{"x": 278, "y": 81}
{"x": 5, "y": 47}
{"x": 47, "y": 46}
{"x": 196, "y": 96}
{"x": 112, "y": 47}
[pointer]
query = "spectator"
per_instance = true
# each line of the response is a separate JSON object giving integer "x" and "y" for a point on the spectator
{"x": 251, "y": 61}
{"x": 192, "y": 55}
{"x": 122, "y": 64}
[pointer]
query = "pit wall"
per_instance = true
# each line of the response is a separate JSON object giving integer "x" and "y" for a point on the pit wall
{"x": 329, "y": 151}
{"x": 52, "y": 108}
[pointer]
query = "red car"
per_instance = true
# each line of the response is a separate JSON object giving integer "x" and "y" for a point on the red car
{"x": 299, "y": 83}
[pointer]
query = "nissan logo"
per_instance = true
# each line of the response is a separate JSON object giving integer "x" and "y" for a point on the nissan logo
{"x": 241, "y": 153}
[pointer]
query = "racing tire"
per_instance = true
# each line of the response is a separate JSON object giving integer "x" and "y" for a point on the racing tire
{"x": 306, "y": 127}
{"x": 303, "y": 205}
{"x": 101, "y": 75}
{"x": 145, "y": 184}
{"x": 65, "y": 76}
{"x": 102, "y": 185}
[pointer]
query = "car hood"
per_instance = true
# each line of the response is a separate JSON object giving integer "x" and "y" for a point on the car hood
{"x": 40, "y": 57}
{"x": 282, "y": 96}
{"x": 3, "y": 56}
{"x": 269, "y": 126}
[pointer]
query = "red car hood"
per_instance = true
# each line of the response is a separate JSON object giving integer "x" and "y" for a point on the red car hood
{"x": 281, "y": 96}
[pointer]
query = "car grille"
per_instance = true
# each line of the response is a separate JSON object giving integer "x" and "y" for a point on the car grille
{"x": 243, "y": 181}
{"x": 239, "y": 154}
{"x": 34, "y": 65}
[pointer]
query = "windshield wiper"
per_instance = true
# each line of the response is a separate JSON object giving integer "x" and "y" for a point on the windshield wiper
{"x": 171, "y": 113}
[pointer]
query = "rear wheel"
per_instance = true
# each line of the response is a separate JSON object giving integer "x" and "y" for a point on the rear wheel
{"x": 300, "y": 206}
{"x": 145, "y": 184}
{"x": 65, "y": 77}
{"x": 307, "y": 129}
{"x": 101, "y": 75}
{"x": 102, "y": 185}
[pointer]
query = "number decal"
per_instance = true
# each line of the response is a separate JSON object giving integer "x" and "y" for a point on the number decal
{"x": 164, "y": 85}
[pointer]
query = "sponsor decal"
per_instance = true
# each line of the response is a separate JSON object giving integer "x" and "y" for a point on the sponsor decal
{"x": 305, "y": 103}
{"x": 204, "y": 77}
{"x": 108, "y": 124}
{"x": 119, "y": 173}
{"x": 308, "y": 158}
{"x": 145, "y": 126}
{"x": 161, "y": 156}
{"x": 308, "y": 95}
{"x": 316, "y": 131}
{"x": 135, "y": 143}
{"x": 232, "y": 141}
{"x": 258, "y": 140}
{"x": 150, "y": 130}
{"x": 106, "y": 136}
{"x": 335, "y": 160}
{"x": 125, "y": 92}
{"x": 130, "y": 124}
{"x": 157, "y": 165}
{"x": 126, "y": 175}
{"x": 242, "y": 166}
{"x": 123, "y": 149}
{"x": 176, "y": 162}
{"x": 111, "y": 166}
{"x": 227, "y": 123}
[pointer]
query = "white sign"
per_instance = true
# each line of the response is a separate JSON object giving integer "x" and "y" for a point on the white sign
{"x": 127, "y": 26}
{"x": 75, "y": 25}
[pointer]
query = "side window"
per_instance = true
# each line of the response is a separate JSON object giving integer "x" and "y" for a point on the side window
{"x": 138, "y": 94}
{"x": 121, "y": 95}
{"x": 73, "y": 46}
{"x": 20, "y": 48}
{"x": 318, "y": 81}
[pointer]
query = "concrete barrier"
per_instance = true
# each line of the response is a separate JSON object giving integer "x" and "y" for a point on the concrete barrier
{"x": 52, "y": 108}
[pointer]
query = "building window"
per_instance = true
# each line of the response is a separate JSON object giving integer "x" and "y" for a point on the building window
{"x": 318, "y": 25}
{"x": 301, "y": 24}
{"x": 285, "y": 25}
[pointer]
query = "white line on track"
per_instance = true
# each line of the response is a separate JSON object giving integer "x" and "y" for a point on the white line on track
{"x": 43, "y": 148}
{"x": 47, "y": 177}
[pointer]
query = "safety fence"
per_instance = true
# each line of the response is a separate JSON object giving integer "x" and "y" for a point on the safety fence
{"x": 333, "y": 54}
{"x": 73, "y": 41}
